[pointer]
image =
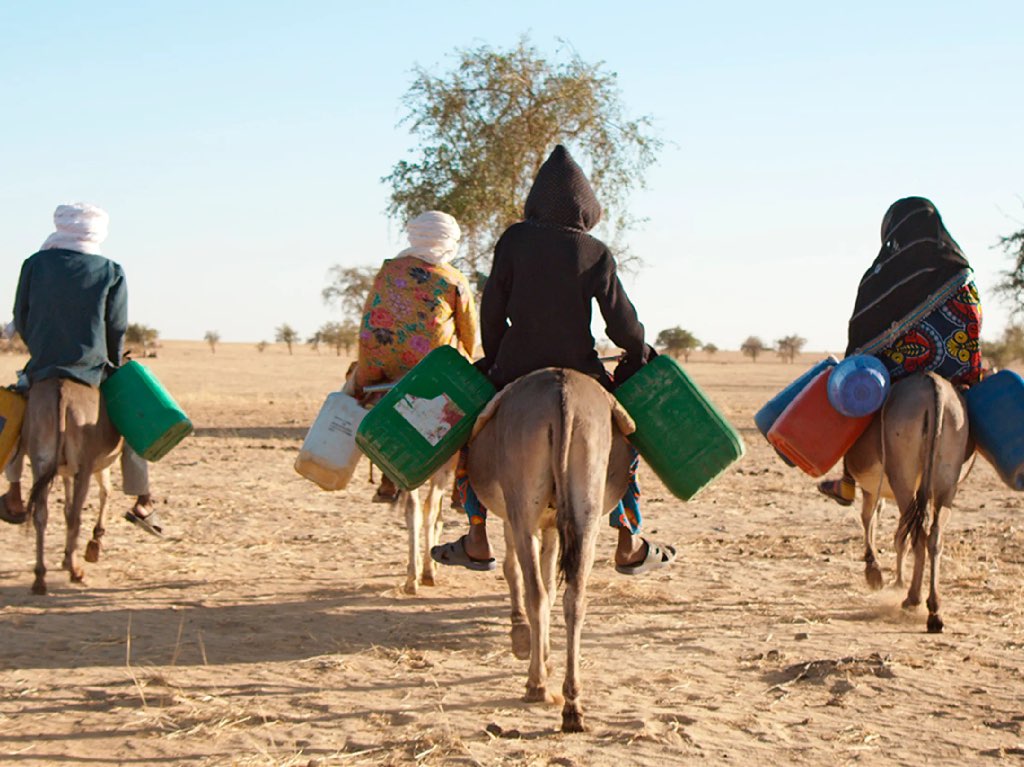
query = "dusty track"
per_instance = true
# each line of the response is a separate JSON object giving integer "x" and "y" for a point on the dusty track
{"x": 270, "y": 627}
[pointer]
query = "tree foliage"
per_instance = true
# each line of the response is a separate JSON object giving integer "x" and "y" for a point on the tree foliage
{"x": 141, "y": 334}
{"x": 677, "y": 342}
{"x": 1011, "y": 285}
{"x": 485, "y": 127}
{"x": 348, "y": 287}
{"x": 340, "y": 335}
{"x": 789, "y": 346}
{"x": 212, "y": 337}
{"x": 287, "y": 335}
{"x": 709, "y": 349}
{"x": 753, "y": 347}
{"x": 1007, "y": 349}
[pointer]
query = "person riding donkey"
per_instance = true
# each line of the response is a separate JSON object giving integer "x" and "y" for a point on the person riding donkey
{"x": 917, "y": 308}
{"x": 71, "y": 310}
{"x": 418, "y": 302}
{"x": 536, "y": 313}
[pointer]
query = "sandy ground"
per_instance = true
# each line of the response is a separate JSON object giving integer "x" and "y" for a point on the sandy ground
{"x": 270, "y": 627}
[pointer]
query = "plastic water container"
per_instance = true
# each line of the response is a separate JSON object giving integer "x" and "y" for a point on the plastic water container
{"x": 813, "y": 434}
{"x": 12, "y": 413}
{"x": 426, "y": 418}
{"x": 767, "y": 415}
{"x": 858, "y": 386}
{"x": 680, "y": 434}
{"x": 329, "y": 455}
{"x": 995, "y": 408}
{"x": 144, "y": 412}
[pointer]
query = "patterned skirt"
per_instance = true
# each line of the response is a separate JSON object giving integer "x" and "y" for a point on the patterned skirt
{"x": 947, "y": 342}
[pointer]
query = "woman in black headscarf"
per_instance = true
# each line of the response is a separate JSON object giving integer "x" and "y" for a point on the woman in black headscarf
{"x": 917, "y": 307}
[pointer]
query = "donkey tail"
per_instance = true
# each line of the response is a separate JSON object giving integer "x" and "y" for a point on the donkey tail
{"x": 912, "y": 523}
{"x": 570, "y": 546}
{"x": 43, "y": 483}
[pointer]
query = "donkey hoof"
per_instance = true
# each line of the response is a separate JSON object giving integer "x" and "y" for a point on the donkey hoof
{"x": 572, "y": 720}
{"x": 910, "y": 604}
{"x": 873, "y": 574}
{"x": 934, "y": 624}
{"x": 39, "y": 587}
{"x": 411, "y": 587}
{"x": 92, "y": 551}
{"x": 536, "y": 694}
{"x": 427, "y": 579}
{"x": 521, "y": 641}
{"x": 77, "y": 575}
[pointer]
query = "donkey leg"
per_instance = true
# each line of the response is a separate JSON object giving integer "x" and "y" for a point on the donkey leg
{"x": 40, "y": 514}
{"x": 536, "y": 604}
{"x": 514, "y": 578}
{"x": 869, "y": 519}
{"x": 413, "y": 524}
{"x": 549, "y": 572}
{"x": 914, "y": 592}
{"x": 574, "y": 607}
{"x": 900, "y": 545}
{"x": 934, "y": 554}
{"x": 73, "y": 518}
{"x": 431, "y": 530}
{"x": 92, "y": 549}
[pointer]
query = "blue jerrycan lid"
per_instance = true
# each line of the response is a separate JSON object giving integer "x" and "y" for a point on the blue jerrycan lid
{"x": 858, "y": 385}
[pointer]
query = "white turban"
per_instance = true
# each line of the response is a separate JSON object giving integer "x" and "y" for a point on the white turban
{"x": 80, "y": 227}
{"x": 433, "y": 237}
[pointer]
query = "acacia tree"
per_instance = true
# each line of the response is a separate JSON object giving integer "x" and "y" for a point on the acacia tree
{"x": 709, "y": 349}
{"x": 340, "y": 335}
{"x": 485, "y": 127}
{"x": 753, "y": 346}
{"x": 347, "y": 289}
{"x": 677, "y": 341}
{"x": 212, "y": 337}
{"x": 1011, "y": 286}
{"x": 287, "y": 335}
{"x": 789, "y": 347}
{"x": 137, "y": 333}
{"x": 1008, "y": 348}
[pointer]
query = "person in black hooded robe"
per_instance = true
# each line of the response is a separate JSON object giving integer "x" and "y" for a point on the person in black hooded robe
{"x": 535, "y": 313}
{"x": 917, "y": 308}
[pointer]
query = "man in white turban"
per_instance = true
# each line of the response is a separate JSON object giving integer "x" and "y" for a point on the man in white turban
{"x": 71, "y": 310}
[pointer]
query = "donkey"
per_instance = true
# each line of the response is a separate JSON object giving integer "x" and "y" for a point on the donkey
{"x": 549, "y": 456}
{"x": 67, "y": 431}
{"x": 914, "y": 452}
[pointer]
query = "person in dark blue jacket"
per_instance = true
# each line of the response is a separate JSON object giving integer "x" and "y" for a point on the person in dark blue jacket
{"x": 71, "y": 310}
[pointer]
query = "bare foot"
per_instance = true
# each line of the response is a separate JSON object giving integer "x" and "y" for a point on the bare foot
{"x": 477, "y": 545}
{"x": 631, "y": 549}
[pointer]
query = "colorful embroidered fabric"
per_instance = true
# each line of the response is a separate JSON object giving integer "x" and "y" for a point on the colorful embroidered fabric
{"x": 412, "y": 308}
{"x": 947, "y": 342}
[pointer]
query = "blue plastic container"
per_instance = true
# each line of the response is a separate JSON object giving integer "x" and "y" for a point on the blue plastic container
{"x": 858, "y": 386}
{"x": 995, "y": 408}
{"x": 767, "y": 415}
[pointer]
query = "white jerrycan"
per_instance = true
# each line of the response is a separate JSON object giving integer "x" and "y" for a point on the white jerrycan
{"x": 329, "y": 454}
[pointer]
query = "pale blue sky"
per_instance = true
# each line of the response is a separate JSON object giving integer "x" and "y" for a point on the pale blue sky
{"x": 239, "y": 146}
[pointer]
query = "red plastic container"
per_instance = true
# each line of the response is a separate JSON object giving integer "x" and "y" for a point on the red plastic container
{"x": 813, "y": 434}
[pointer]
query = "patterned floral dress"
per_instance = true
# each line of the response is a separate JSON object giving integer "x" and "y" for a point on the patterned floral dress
{"x": 414, "y": 307}
{"x": 947, "y": 342}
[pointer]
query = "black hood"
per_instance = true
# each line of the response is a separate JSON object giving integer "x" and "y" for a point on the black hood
{"x": 561, "y": 195}
{"x": 916, "y": 263}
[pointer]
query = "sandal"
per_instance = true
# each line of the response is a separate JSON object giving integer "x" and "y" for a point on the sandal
{"x": 9, "y": 516}
{"x": 149, "y": 523}
{"x": 454, "y": 553}
{"x": 833, "y": 488}
{"x": 655, "y": 558}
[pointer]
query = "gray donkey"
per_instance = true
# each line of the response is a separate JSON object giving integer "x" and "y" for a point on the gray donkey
{"x": 914, "y": 452}
{"x": 550, "y": 457}
{"x": 67, "y": 431}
